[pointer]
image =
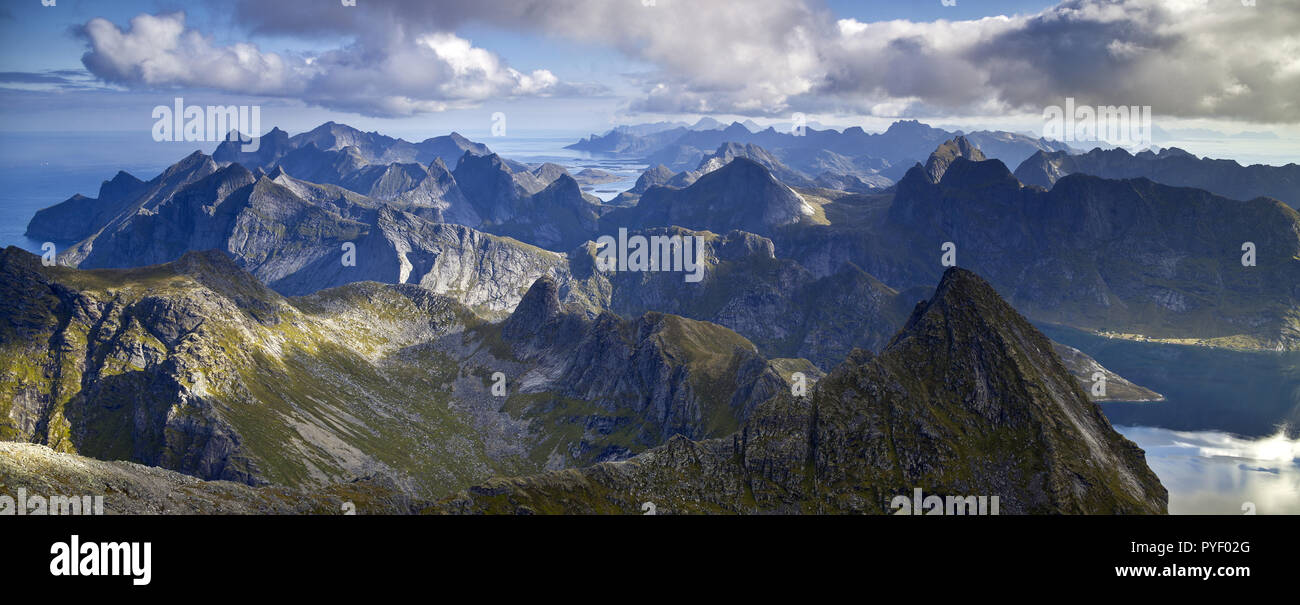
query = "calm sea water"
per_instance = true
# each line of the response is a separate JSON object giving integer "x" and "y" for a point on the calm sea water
{"x": 1225, "y": 438}
{"x": 38, "y": 170}
{"x": 1228, "y": 432}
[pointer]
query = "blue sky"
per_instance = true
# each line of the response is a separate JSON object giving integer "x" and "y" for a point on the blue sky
{"x": 981, "y": 63}
{"x": 926, "y": 10}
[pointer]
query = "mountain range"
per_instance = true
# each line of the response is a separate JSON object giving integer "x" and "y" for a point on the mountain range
{"x": 1171, "y": 166}
{"x": 825, "y": 155}
{"x": 1130, "y": 258}
{"x": 383, "y": 394}
{"x": 197, "y": 367}
{"x": 436, "y": 339}
{"x": 967, "y": 400}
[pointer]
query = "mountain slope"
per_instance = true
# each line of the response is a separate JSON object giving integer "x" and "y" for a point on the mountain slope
{"x": 967, "y": 400}
{"x": 290, "y": 233}
{"x": 1131, "y": 258}
{"x": 1120, "y": 256}
{"x": 742, "y": 195}
{"x": 80, "y": 217}
{"x": 195, "y": 366}
{"x": 134, "y": 489}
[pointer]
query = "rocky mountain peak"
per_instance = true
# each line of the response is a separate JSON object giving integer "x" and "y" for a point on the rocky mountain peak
{"x": 122, "y": 184}
{"x": 964, "y": 297}
{"x": 539, "y": 306}
{"x": 969, "y": 399}
{"x": 947, "y": 153}
{"x": 438, "y": 168}
{"x": 652, "y": 177}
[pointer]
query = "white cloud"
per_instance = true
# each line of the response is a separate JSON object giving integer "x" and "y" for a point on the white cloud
{"x": 1185, "y": 58}
{"x": 403, "y": 76}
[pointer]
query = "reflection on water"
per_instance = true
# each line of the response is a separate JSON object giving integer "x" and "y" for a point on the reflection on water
{"x": 1227, "y": 433}
{"x": 1215, "y": 473}
{"x": 1244, "y": 393}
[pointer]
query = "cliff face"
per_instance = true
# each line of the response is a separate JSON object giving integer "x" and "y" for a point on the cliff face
{"x": 290, "y": 234}
{"x": 195, "y": 366}
{"x": 967, "y": 400}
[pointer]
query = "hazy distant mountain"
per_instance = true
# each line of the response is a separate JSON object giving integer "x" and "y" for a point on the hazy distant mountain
{"x": 905, "y": 143}
{"x": 80, "y": 217}
{"x": 730, "y": 151}
{"x": 836, "y": 172}
{"x": 741, "y": 195}
{"x": 366, "y": 147}
{"x": 1171, "y": 166}
{"x": 707, "y": 123}
{"x": 626, "y": 141}
{"x": 548, "y": 172}
{"x": 966, "y": 376}
{"x": 77, "y": 217}
{"x": 1161, "y": 134}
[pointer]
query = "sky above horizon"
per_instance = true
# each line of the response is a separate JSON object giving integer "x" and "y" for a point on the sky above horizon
{"x": 581, "y": 66}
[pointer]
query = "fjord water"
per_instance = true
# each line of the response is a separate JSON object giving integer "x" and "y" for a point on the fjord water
{"x": 1228, "y": 433}
{"x": 1226, "y": 436}
{"x": 549, "y": 147}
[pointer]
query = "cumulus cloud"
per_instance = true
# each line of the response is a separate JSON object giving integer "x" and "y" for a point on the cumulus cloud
{"x": 393, "y": 75}
{"x": 1185, "y": 58}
